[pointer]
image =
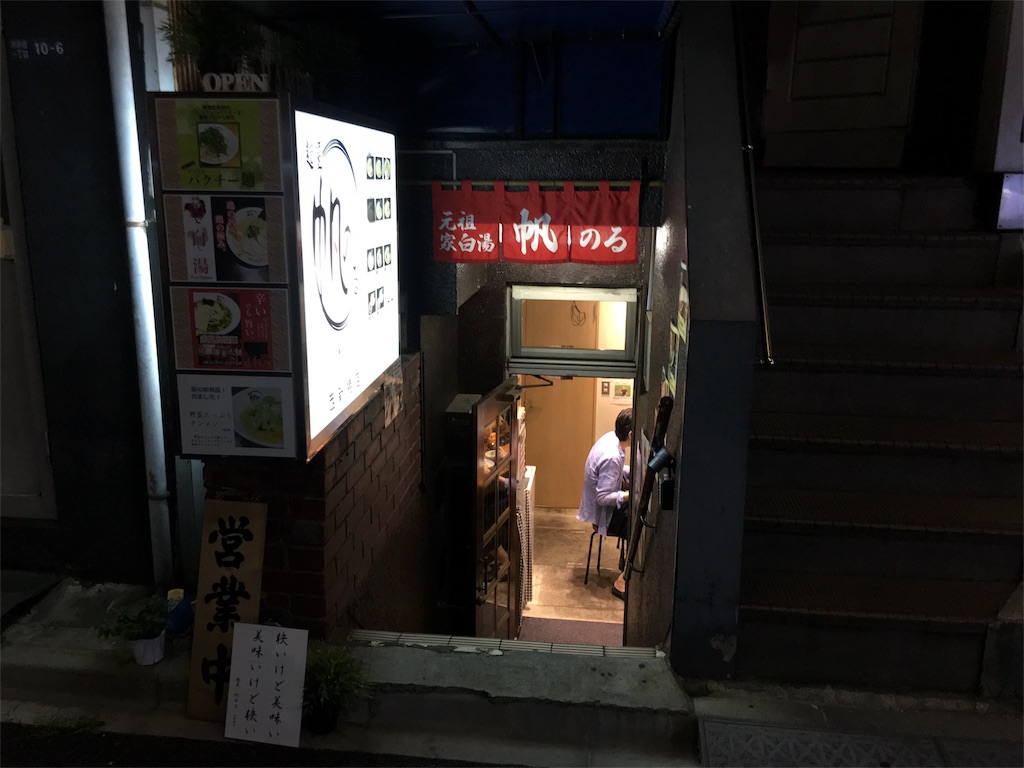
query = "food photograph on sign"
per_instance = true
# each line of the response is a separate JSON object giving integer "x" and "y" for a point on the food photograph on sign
{"x": 242, "y": 329}
{"x": 348, "y": 265}
{"x": 225, "y": 238}
{"x": 236, "y": 415}
{"x": 218, "y": 144}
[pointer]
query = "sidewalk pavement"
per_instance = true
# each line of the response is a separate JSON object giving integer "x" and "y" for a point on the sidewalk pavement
{"x": 439, "y": 698}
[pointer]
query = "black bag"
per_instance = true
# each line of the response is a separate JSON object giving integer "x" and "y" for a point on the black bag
{"x": 618, "y": 526}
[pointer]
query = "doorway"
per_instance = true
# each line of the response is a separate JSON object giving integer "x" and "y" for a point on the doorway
{"x": 567, "y": 601}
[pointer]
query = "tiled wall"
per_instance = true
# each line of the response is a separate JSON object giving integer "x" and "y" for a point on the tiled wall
{"x": 343, "y": 530}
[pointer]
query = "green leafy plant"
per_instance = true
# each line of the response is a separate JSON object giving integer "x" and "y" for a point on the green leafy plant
{"x": 335, "y": 679}
{"x": 140, "y": 622}
{"x": 213, "y": 30}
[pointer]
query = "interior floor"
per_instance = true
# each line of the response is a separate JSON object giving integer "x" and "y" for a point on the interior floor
{"x": 559, "y": 566}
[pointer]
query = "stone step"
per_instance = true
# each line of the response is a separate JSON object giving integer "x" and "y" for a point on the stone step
{"x": 927, "y": 325}
{"x": 952, "y": 259}
{"x": 894, "y": 633}
{"x": 947, "y": 394}
{"x": 880, "y": 434}
{"x": 872, "y": 467}
{"x": 870, "y": 203}
{"x": 562, "y": 698}
{"x": 881, "y": 358}
{"x": 875, "y": 534}
{"x": 863, "y": 512}
{"x": 883, "y": 554}
{"x": 538, "y": 703}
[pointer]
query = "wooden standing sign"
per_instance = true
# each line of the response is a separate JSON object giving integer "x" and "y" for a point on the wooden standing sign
{"x": 230, "y": 576}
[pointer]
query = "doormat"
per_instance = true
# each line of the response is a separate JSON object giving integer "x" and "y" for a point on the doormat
{"x": 574, "y": 632}
{"x": 732, "y": 743}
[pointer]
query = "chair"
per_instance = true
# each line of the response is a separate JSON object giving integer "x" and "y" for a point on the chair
{"x": 590, "y": 550}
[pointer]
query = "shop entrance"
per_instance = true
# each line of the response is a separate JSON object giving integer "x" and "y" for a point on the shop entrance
{"x": 574, "y": 349}
{"x": 567, "y": 601}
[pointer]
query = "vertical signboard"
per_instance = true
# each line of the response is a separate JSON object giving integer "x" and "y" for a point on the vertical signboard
{"x": 228, "y": 592}
{"x": 223, "y": 215}
{"x": 348, "y": 266}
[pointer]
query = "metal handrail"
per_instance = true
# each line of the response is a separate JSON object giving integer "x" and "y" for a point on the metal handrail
{"x": 748, "y": 149}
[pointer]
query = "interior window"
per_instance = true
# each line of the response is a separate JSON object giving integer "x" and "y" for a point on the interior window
{"x": 572, "y": 330}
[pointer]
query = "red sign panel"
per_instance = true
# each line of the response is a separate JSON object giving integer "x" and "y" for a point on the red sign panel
{"x": 536, "y": 226}
{"x": 604, "y": 225}
{"x": 466, "y": 223}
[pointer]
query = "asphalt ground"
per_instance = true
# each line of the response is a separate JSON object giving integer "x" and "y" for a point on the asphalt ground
{"x": 31, "y": 745}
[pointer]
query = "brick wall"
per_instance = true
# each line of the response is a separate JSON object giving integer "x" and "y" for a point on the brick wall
{"x": 347, "y": 540}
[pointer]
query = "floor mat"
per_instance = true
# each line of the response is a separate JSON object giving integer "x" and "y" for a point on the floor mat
{"x": 575, "y": 632}
{"x": 732, "y": 743}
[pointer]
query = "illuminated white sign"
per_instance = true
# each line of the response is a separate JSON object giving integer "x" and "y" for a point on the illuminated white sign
{"x": 349, "y": 265}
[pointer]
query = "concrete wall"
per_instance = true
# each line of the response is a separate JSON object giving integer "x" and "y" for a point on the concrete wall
{"x": 64, "y": 134}
{"x": 722, "y": 346}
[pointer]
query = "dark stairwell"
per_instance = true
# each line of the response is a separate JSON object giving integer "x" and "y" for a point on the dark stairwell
{"x": 883, "y": 533}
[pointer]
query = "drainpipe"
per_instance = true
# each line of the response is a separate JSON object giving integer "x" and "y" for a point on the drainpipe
{"x": 136, "y": 225}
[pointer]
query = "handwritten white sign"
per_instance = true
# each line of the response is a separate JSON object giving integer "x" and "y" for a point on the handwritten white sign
{"x": 268, "y": 669}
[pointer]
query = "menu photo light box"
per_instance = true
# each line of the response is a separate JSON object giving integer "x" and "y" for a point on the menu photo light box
{"x": 348, "y": 265}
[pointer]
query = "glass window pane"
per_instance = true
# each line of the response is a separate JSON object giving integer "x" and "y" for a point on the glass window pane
{"x": 572, "y": 324}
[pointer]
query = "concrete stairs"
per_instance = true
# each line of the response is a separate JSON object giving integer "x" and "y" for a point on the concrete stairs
{"x": 883, "y": 535}
{"x": 480, "y": 700}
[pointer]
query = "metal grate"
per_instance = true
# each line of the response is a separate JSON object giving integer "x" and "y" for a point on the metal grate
{"x": 733, "y": 743}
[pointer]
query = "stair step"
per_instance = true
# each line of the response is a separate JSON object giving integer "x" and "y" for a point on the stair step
{"x": 884, "y": 512}
{"x": 887, "y": 392}
{"x": 866, "y": 202}
{"x": 939, "y": 327}
{"x": 875, "y": 357}
{"x": 966, "y": 259}
{"x": 889, "y": 633}
{"x": 887, "y": 434}
{"x": 873, "y": 534}
{"x": 866, "y": 468}
{"x": 944, "y": 601}
{"x": 896, "y": 296}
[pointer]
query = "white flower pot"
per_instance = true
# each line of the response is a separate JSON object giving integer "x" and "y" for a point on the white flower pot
{"x": 149, "y": 651}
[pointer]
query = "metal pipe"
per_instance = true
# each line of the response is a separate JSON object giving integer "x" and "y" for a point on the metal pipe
{"x": 748, "y": 150}
{"x": 136, "y": 232}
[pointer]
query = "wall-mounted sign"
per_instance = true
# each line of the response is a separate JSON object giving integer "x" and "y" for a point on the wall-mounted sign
{"x": 348, "y": 233}
{"x": 239, "y": 329}
{"x": 244, "y": 82}
{"x": 537, "y": 226}
{"x": 236, "y": 415}
{"x": 225, "y": 238}
{"x": 218, "y": 144}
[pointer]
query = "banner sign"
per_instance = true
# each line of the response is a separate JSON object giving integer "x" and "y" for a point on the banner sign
{"x": 467, "y": 223}
{"x": 536, "y": 226}
{"x": 605, "y": 225}
{"x": 228, "y": 592}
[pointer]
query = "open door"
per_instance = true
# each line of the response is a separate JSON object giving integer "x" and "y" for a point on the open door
{"x": 496, "y": 533}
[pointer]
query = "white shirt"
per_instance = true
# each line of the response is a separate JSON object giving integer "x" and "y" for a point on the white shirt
{"x": 602, "y": 482}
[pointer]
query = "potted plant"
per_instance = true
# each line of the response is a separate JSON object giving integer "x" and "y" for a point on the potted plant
{"x": 216, "y": 36}
{"x": 335, "y": 680}
{"x": 143, "y": 625}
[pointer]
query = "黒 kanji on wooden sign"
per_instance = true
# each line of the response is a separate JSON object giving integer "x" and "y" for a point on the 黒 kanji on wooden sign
{"x": 230, "y": 578}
